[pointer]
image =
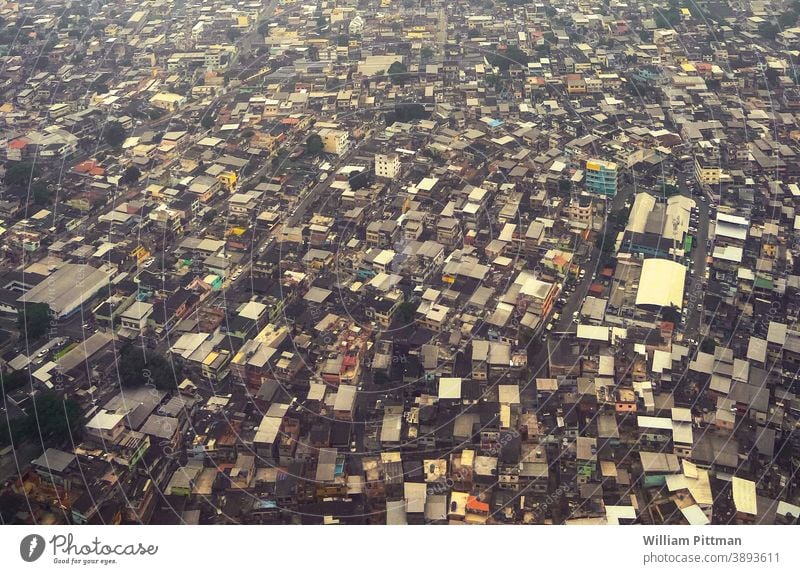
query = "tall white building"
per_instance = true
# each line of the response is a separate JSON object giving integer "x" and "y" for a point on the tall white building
{"x": 387, "y": 165}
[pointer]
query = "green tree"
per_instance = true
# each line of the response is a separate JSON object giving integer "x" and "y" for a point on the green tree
{"x": 139, "y": 367}
{"x": 671, "y": 314}
{"x": 787, "y": 19}
{"x": 40, "y": 193}
{"x": 232, "y": 34}
{"x": 15, "y": 380}
{"x": 708, "y": 345}
{"x": 359, "y": 180}
{"x": 768, "y": 30}
{"x": 505, "y": 58}
{"x": 426, "y": 53}
{"x": 668, "y": 18}
{"x": 19, "y": 174}
{"x": 130, "y": 175}
{"x": 51, "y": 420}
{"x": 405, "y": 312}
{"x": 207, "y": 121}
{"x": 397, "y": 72}
{"x": 33, "y": 320}
{"x": 314, "y": 145}
{"x": 114, "y": 134}
{"x": 210, "y": 215}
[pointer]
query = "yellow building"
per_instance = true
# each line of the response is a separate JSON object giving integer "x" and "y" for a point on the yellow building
{"x": 228, "y": 179}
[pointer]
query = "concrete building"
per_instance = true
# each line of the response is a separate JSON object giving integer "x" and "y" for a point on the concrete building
{"x": 602, "y": 177}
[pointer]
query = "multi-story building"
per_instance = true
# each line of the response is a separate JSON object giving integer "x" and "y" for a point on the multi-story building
{"x": 602, "y": 177}
{"x": 387, "y": 165}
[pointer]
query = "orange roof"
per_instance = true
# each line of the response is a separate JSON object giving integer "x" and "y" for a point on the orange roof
{"x": 85, "y": 166}
{"x": 18, "y": 143}
{"x": 475, "y": 504}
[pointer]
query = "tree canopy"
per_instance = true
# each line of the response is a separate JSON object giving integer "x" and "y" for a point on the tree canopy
{"x": 114, "y": 134}
{"x": 33, "y": 320}
{"x": 398, "y": 72}
{"x": 19, "y": 174}
{"x": 139, "y": 367}
{"x": 130, "y": 175}
{"x": 50, "y": 418}
{"x": 314, "y": 144}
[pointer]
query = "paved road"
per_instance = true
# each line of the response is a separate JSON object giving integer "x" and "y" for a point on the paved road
{"x": 441, "y": 32}
{"x": 695, "y": 283}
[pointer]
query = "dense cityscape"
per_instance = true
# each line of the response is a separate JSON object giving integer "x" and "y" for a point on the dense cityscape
{"x": 399, "y": 262}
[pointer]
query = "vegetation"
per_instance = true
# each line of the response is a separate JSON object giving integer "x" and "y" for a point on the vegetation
{"x": 33, "y": 320}
{"x": 708, "y": 345}
{"x": 398, "y": 72}
{"x": 406, "y": 112}
{"x": 41, "y": 193}
{"x": 19, "y": 174}
{"x": 207, "y": 121}
{"x": 671, "y": 314}
{"x": 668, "y": 18}
{"x": 50, "y": 420}
{"x": 405, "y": 313}
{"x": 314, "y": 145}
{"x": 511, "y": 55}
{"x": 130, "y": 175}
{"x": 768, "y": 29}
{"x": 114, "y": 134}
{"x": 139, "y": 367}
{"x": 14, "y": 381}
{"x": 359, "y": 180}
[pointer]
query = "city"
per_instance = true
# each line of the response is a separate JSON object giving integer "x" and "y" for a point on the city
{"x": 399, "y": 262}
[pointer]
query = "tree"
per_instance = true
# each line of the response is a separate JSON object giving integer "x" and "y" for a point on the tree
{"x": 426, "y": 53}
{"x": 207, "y": 121}
{"x": 40, "y": 193}
{"x": 50, "y": 420}
{"x": 668, "y": 18}
{"x": 19, "y": 174}
{"x": 232, "y": 34}
{"x": 671, "y": 314}
{"x": 139, "y": 367}
{"x": 787, "y": 19}
{"x": 405, "y": 312}
{"x": 564, "y": 186}
{"x": 41, "y": 62}
{"x": 114, "y": 134}
{"x": 359, "y": 180}
{"x": 708, "y": 345}
{"x": 33, "y": 320}
{"x": 504, "y": 59}
{"x": 130, "y": 175}
{"x": 14, "y": 381}
{"x": 210, "y": 215}
{"x": 768, "y": 29}
{"x": 397, "y": 72}
{"x": 314, "y": 145}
